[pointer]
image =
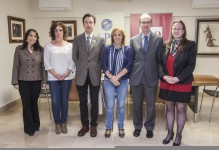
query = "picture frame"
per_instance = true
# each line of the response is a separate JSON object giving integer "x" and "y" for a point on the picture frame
{"x": 71, "y": 28}
{"x": 16, "y": 29}
{"x": 207, "y": 36}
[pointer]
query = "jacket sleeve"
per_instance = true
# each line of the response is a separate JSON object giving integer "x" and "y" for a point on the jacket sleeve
{"x": 102, "y": 47}
{"x": 130, "y": 59}
{"x": 16, "y": 65}
{"x": 44, "y": 72}
{"x": 75, "y": 52}
{"x": 104, "y": 60}
{"x": 161, "y": 52}
{"x": 189, "y": 68}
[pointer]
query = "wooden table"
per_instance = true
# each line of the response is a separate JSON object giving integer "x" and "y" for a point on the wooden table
{"x": 200, "y": 80}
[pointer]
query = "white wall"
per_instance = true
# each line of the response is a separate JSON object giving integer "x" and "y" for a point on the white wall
{"x": 16, "y": 8}
{"x": 41, "y": 21}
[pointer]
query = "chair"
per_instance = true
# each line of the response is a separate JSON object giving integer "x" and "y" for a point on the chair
{"x": 214, "y": 94}
{"x": 45, "y": 93}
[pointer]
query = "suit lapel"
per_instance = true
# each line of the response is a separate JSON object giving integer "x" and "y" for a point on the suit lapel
{"x": 150, "y": 44}
{"x": 35, "y": 53}
{"x": 139, "y": 40}
{"x": 93, "y": 42}
{"x": 26, "y": 52}
{"x": 83, "y": 40}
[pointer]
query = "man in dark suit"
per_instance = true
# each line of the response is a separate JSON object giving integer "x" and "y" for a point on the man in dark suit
{"x": 144, "y": 75}
{"x": 87, "y": 52}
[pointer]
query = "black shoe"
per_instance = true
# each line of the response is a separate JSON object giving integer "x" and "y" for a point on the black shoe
{"x": 176, "y": 144}
{"x": 149, "y": 134}
{"x": 31, "y": 134}
{"x": 167, "y": 141}
{"x": 137, "y": 132}
{"x": 37, "y": 129}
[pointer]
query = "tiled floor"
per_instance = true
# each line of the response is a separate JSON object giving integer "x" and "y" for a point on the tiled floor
{"x": 201, "y": 133}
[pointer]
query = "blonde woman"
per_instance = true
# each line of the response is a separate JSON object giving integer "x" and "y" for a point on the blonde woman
{"x": 117, "y": 63}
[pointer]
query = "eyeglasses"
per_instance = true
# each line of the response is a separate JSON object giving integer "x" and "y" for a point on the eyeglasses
{"x": 177, "y": 29}
{"x": 146, "y": 22}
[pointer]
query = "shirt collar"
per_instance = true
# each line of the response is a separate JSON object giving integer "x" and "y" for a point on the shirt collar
{"x": 86, "y": 35}
{"x": 148, "y": 35}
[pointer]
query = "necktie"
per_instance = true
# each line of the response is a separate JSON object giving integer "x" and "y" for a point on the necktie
{"x": 88, "y": 43}
{"x": 145, "y": 43}
{"x": 174, "y": 46}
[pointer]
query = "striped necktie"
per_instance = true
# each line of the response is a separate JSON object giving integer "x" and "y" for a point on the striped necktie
{"x": 145, "y": 43}
{"x": 88, "y": 43}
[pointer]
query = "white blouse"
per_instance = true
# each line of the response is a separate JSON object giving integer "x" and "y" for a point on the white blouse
{"x": 58, "y": 58}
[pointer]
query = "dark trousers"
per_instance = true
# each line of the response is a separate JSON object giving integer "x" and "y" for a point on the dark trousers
{"x": 138, "y": 93}
{"x": 29, "y": 92}
{"x": 83, "y": 92}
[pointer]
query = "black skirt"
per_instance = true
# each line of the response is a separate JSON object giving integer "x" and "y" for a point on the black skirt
{"x": 175, "y": 96}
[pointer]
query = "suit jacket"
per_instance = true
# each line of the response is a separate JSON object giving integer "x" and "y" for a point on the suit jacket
{"x": 88, "y": 61}
{"x": 146, "y": 64}
{"x": 28, "y": 67}
{"x": 184, "y": 63}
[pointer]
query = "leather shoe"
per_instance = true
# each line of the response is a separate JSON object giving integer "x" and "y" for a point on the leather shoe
{"x": 149, "y": 134}
{"x": 107, "y": 133}
{"x": 121, "y": 133}
{"x": 31, "y": 133}
{"x": 93, "y": 131}
{"x": 137, "y": 132}
{"x": 167, "y": 141}
{"x": 83, "y": 131}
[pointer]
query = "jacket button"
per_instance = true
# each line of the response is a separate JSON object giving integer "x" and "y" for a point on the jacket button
{"x": 27, "y": 71}
{"x": 33, "y": 59}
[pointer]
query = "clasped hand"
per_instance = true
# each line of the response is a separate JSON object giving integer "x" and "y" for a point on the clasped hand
{"x": 115, "y": 81}
{"x": 170, "y": 79}
{"x": 62, "y": 77}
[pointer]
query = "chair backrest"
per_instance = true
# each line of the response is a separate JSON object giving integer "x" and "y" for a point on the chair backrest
{"x": 44, "y": 92}
{"x": 212, "y": 92}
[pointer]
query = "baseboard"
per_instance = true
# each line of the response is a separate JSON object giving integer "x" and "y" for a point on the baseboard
{"x": 9, "y": 105}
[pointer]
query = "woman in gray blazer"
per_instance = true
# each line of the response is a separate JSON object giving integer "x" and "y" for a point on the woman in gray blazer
{"x": 27, "y": 76}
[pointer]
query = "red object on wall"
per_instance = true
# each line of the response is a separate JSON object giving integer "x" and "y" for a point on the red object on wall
{"x": 158, "y": 20}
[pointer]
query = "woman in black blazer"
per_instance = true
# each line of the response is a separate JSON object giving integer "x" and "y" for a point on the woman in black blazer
{"x": 176, "y": 73}
{"x": 27, "y": 76}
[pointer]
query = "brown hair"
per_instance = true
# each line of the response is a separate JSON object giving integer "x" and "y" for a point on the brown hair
{"x": 53, "y": 27}
{"x": 182, "y": 44}
{"x": 123, "y": 35}
{"x": 89, "y": 15}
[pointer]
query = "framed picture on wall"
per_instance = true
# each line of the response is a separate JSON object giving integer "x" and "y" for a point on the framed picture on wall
{"x": 71, "y": 28}
{"x": 207, "y": 36}
{"x": 16, "y": 29}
